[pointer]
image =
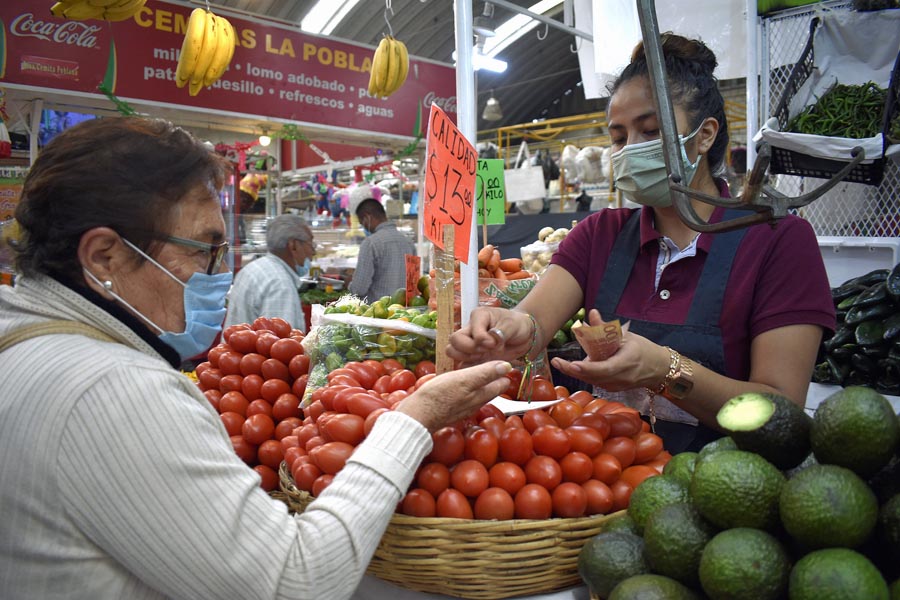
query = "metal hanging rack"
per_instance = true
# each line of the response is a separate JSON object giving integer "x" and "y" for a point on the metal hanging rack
{"x": 767, "y": 204}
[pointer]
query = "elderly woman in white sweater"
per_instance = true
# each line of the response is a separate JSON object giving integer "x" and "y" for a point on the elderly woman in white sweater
{"x": 118, "y": 479}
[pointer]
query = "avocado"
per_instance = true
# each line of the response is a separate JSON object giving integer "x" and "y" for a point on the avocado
{"x": 734, "y": 488}
{"x": 744, "y": 564}
{"x": 768, "y": 424}
{"x": 828, "y": 506}
{"x": 651, "y": 587}
{"x": 610, "y": 557}
{"x": 889, "y": 527}
{"x": 681, "y": 466}
{"x": 652, "y": 494}
{"x": 836, "y": 573}
{"x": 621, "y": 523}
{"x": 855, "y": 428}
{"x": 674, "y": 538}
{"x": 717, "y": 445}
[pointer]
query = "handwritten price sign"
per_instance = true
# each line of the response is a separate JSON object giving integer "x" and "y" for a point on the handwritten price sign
{"x": 413, "y": 267}
{"x": 490, "y": 192}
{"x": 449, "y": 183}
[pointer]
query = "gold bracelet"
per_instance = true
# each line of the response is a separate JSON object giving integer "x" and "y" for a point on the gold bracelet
{"x": 674, "y": 363}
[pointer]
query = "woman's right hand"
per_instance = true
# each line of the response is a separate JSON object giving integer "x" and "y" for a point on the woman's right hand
{"x": 492, "y": 333}
{"x": 453, "y": 396}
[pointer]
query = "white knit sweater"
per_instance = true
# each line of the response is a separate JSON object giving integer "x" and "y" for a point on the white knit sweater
{"x": 118, "y": 480}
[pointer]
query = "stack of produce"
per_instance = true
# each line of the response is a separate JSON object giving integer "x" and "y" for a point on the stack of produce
{"x": 786, "y": 506}
{"x": 849, "y": 111}
{"x": 536, "y": 256}
{"x": 582, "y": 456}
{"x": 206, "y": 51}
{"x": 255, "y": 379}
{"x": 865, "y": 348}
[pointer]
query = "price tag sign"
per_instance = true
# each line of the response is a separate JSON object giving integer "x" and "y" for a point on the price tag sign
{"x": 413, "y": 268}
{"x": 490, "y": 192}
{"x": 449, "y": 183}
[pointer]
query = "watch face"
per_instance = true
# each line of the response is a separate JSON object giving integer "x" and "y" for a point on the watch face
{"x": 679, "y": 389}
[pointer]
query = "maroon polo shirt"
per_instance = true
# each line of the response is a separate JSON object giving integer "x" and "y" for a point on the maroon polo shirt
{"x": 777, "y": 278}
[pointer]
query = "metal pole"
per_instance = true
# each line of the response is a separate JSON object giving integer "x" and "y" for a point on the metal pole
{"x": 37, "y": 108}
{"x": 466, "y": 115}
{"x": 752, "y": 82}
{"x": 546, "y": 20}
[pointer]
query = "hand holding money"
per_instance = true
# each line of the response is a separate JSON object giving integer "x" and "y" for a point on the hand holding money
{"x": 600, "y": 341}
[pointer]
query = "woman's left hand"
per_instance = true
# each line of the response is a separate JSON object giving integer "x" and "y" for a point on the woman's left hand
{"x": 638, "y": 363}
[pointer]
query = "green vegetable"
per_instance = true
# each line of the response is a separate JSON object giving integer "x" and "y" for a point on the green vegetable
{"x": 850, "y": 111}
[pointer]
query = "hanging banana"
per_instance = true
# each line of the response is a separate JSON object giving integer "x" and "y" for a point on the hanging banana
{"x": 390, "y": 66}
{"x": 108, "y": 10}
{"x": 206, "y": 51}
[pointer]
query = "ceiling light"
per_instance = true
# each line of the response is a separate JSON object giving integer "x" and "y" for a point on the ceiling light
{"x": 483, "y": 24}
{"x": 326, "y": 15}
{"x": 492, "y": 110}
{"x": 516, "y": 27}
{"x": 480, "y": 61}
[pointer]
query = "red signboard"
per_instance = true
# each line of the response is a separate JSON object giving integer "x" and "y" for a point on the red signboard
{"x": 277, "y": 71}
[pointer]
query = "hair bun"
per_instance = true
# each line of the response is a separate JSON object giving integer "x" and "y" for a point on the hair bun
{"x": 676, "y": 47}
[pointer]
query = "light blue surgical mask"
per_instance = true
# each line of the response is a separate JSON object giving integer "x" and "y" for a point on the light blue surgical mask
{"x": 640, "y": 171}
{"x": 204, "y": 309}
{"x": 303, "y": 270}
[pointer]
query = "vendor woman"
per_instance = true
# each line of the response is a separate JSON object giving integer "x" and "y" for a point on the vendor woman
{"x": 711, "y": 315}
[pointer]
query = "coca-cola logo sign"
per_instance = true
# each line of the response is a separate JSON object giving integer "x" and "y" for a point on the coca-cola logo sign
{"x": 446, "y": 104}
{"x": 72, "y": 33}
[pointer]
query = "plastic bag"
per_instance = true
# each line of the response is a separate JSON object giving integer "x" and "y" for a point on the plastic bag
{"x": 536, "y": 256}
{"x": 589, "y": 164}
{"x": 567, "y": 162}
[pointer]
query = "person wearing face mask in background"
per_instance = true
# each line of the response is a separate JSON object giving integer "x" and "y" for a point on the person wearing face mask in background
{"x": 267, "y": 286}
{"x": 119, "y": 479}
{"x": 711, "y": 315}
{"x": 381, "y": 265}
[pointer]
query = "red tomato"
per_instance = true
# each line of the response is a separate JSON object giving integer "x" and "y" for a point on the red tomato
{"x": 287, "y": 405}
{"x": 542, "y": 390}
{"x": 345, "y": 428}
{"x": 262, "y": 323}
{"x": 419, "y": 503}
{"x": 280, "y": 327}
{"x": 516, "y": 445}
{"x": 610, "y": 407}
{"x": 251, "y": 364}
{"x": 515, "y": 381}
{"x": 489, "y": 410}
{"x": 648, "y": 445}
{"x": 622, "y": 448}
{"x": 304, "y": 474}
{"x": 481, "y": 445}
{"x": 624, "y": 424}
{"x": 244, "y": 449}
{"x": 213, "y": 396}
{"x": 362, "y": 404}
{"x": 232, "y": 422}
{"x": 565, "y": 412}
{"x": 299, "y": 386}
{"x": 270, "y": 453}
{"x": 332, "y": 456}
{"x": 533, "y": 501}
{"x": 585, "y": 439}
{"x": 543, "y": 471}
{"x": 272, "y": 368}
{"x": 395, "y": 397}
{"x": 230, "y": 363}
{"x": 382, "y": 385}
{"x": 636, "y": 474}
{"x": 607, "y": 468}
{"x": 594, "y": 421}
{"x": 561, "y": 391}
{"x": 452, "y": 504}
{"x": 230, "y": 383}
{"x": 595, "y": 405}
{"x": 494, "y": 503}
{"x": 313, "y": 442}
{"x": 365, "y": 374}
{"x": 209, "y": 379}
{"x": 264, "y": 341}
{"x": 550, "y": 440}
{"x": 599, "y": 497}
{"x": 243, "y": 340}
{"x": 234, "y": 402}
{"x": 508, "y": 476}
{"x": 621, "y": 492}
{"x": 321, "y": 482}
{"x": 213, "y": 355}
{"x": 258, "y": 428}
{"x": 268, "y": 475}
{"x": 514, "y": 422}
{"x": 425, "y": 379}
{"x": 271, "y": 389}
{"x": 251, "y": 386}
{"x": 434, "y": 477}
{"x": 376, "y": 365}
{"x": 577, "y": 467}
{"x": 494, "y": 425}
{"x": 299, "y": 365}
{"x": 343, "y": 372}
{"x": 229, "y": 331}
{"x": 292, "y": 453}
{"x": 259, "y": 407}
{"x": 449, "y": 446}
{"x": 391, "y": 364}
{"x": 315, "y": 409}
{"x": 581, "y": 397}
{"x": 424, "y": 367}
{"x": 306, "y": 433}
{"x": 534, "y": 418}
{"x": 288, "y": 441}
{"x": 370, "y": 420}
{"x": 569, "y": 500}
{"x": 402, "y": 379}
{"x": 469, "y": 477}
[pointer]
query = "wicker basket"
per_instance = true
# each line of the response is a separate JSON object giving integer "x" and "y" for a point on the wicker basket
{"x": 474, "y": 558}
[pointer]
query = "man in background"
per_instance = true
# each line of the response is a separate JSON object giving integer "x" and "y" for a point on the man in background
{"x": 267, "y": 287}
{"x": 381, "y": 266}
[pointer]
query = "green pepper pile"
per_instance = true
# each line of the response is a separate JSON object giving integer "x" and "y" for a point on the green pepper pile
{"x": 849, "y": 111}
{"x": 865, "y": 348}
{"x": 317, "y": 296}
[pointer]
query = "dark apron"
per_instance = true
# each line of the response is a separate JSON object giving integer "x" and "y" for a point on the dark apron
{"x": 698, "y": 338}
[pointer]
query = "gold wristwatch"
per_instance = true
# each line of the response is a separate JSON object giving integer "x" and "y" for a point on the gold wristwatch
{"x": 680, "y": 379}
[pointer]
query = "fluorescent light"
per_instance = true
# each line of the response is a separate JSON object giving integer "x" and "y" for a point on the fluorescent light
{"x": 326, "y": 15}
{"x": 480, "y": 61}
{"x": 516, "y": 27}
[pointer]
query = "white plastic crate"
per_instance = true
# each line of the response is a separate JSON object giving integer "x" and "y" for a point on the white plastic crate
{"x": 849, "y": 257}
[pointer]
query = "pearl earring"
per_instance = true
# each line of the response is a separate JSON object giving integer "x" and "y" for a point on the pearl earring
{"x": 107, "y": 285}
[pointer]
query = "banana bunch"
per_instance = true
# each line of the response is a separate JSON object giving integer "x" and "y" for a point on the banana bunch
{"x": 108, "y": 10}
{"x": 206, "y": 51}
{"x": 389, "y": 67}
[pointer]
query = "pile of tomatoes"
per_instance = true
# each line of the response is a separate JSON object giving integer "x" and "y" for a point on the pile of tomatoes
{"x": 255, "y": 379}
{"x": 582, "y": 456}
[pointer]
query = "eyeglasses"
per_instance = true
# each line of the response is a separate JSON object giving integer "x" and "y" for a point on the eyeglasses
{"x": 216, "y": 252}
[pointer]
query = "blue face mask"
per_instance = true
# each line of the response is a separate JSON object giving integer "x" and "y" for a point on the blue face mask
{"x": 303, "y": 270}
{"x": 204, "y": 309}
